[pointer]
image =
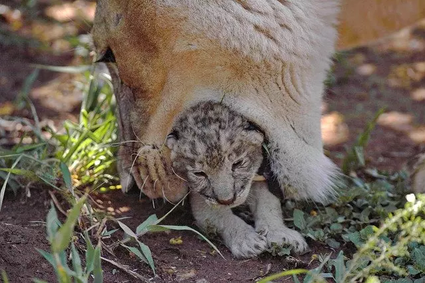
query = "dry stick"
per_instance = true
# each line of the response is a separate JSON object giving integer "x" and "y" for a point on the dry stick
{"x": 56, "y": 202}
{"x": 122, "y": 267}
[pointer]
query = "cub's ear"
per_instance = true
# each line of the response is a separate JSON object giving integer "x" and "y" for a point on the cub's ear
{"x": 254, "y": 133}
{"x": 172, "y": 138}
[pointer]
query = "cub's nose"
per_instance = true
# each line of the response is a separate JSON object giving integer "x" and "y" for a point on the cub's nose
{"x": 227, "y": 201}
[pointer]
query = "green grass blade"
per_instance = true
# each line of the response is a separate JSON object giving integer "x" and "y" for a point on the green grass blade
{"x": 6, "y": 180}
{"x": 151, "y": 220}
{"x": 67, "y": 177}
{"x": 97, "y": 265}
{"x": 283, "y": 274}
{"x": 21, "y": 172}
{"x": 148, "y": 255}
{"x": 76, "y": 261}
{"x": 63, "y": 236}
{"x": 89, "y": 253}
{"x": 4, "y": 276}
{"x": 127, "y": 230}
{"x": 64, "y": 69}
{"x": 23, "y": 94}
{"x": 137, "y": 252}
{"x": 52, "y": 223}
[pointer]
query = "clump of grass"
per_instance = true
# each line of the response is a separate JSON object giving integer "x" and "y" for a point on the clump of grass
{"x": 60, "y": 237}
{"x": 79, "y": 159}
{"x": 82, "y": 150}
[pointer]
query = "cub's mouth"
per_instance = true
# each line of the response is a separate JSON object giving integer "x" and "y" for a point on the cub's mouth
{"x": 237, "y": 199}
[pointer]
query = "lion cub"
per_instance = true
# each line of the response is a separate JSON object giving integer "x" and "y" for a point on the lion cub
{"x": 219, "y": 152}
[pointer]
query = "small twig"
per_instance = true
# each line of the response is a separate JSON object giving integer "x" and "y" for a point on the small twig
{"x": 100, "y": 229}
{"x": 124, "y": 268}
{"x": 57, "y": 204}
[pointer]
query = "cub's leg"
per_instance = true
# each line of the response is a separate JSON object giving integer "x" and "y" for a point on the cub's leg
{"x": 238, "y": 236}
{"x": 269, "y": 219}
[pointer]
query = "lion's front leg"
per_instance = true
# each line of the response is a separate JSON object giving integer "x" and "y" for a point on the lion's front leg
{"x": 146, "y": 164}
{"x": 269, "y": 219}
{"x": 242, "y": 240}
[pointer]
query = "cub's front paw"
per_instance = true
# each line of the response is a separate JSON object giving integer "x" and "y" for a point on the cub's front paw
{"x": 247, "y": 243}
{"x": 154, "y": 175}
{"x": 284, "y": 236}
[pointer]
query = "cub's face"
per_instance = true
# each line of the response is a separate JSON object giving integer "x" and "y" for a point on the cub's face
{"x": 217, "y": 151}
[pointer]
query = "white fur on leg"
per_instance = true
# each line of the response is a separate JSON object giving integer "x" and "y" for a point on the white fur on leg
{"x": 269, "y": 220}
{"x": 239, "y": 237}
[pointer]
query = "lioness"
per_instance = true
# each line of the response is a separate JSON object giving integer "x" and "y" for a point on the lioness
{"x": 265, "y": 59}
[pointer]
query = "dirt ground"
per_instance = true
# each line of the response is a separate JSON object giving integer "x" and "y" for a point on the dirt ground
{"x": 391, "y": 74}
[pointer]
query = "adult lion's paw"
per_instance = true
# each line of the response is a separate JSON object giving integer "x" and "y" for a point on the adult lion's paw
{"x": 154, "y": 175}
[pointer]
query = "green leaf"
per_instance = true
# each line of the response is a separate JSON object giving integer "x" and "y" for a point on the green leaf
{"x": 299, "y": 220}
{"x": 52, "y": 222}
{"x": 20, "y": 101}
{"x": 149, "y": 221}
{"x": 355, "y": 238}
{"x": 419, "y": 259}
{"x": 4, "y": 277}
{"x": 336, "y": 227}
{"x": 127, "y": 230}
{"x": 339, "y": 265}
{"x": 76, "y": 261}
{"x": 6, "y": 180}
{"x": 97, "y": 265}
{"x": 63, "y": 236}
{"x": 89, "y": 253}
{"x": 137, "y": 252}
{"x": 333, "y": 243}
{"x": 148, "y": 255}
{"x": 367, "y": 232}
{"x": 412, "y": 270}
{"x": 360, "y": 155}
{"x": 109, "y": 233}
{"x": 66, "y": 177}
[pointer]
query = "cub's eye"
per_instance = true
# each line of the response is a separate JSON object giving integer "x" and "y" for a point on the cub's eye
{"x": 200, "y": 174}
{"x": 237, "y": 164}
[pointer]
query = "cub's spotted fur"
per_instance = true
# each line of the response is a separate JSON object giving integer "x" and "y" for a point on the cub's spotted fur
{"x": 219, "y": 152}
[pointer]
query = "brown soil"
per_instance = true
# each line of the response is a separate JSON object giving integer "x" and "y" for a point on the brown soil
{"x": 390, "y": 73}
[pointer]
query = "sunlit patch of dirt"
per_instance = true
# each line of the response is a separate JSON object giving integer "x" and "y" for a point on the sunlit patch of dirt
{"x": 404, "y": 41}
{"x": 60, "y": 95}
{"x": 366, "y": 69}
{"x": 396, "y": 121}
{"x": 418, "y": 94}
{"x": 405, "y": 75}
{"x": 67, "y": 12}
{"x": 334, "y": 129}
{"x": 417, "y": 135}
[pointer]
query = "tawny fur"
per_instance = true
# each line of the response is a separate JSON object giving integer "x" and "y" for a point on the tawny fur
{"x": 265, "y": 59}
{"x": 219, "y": 152}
